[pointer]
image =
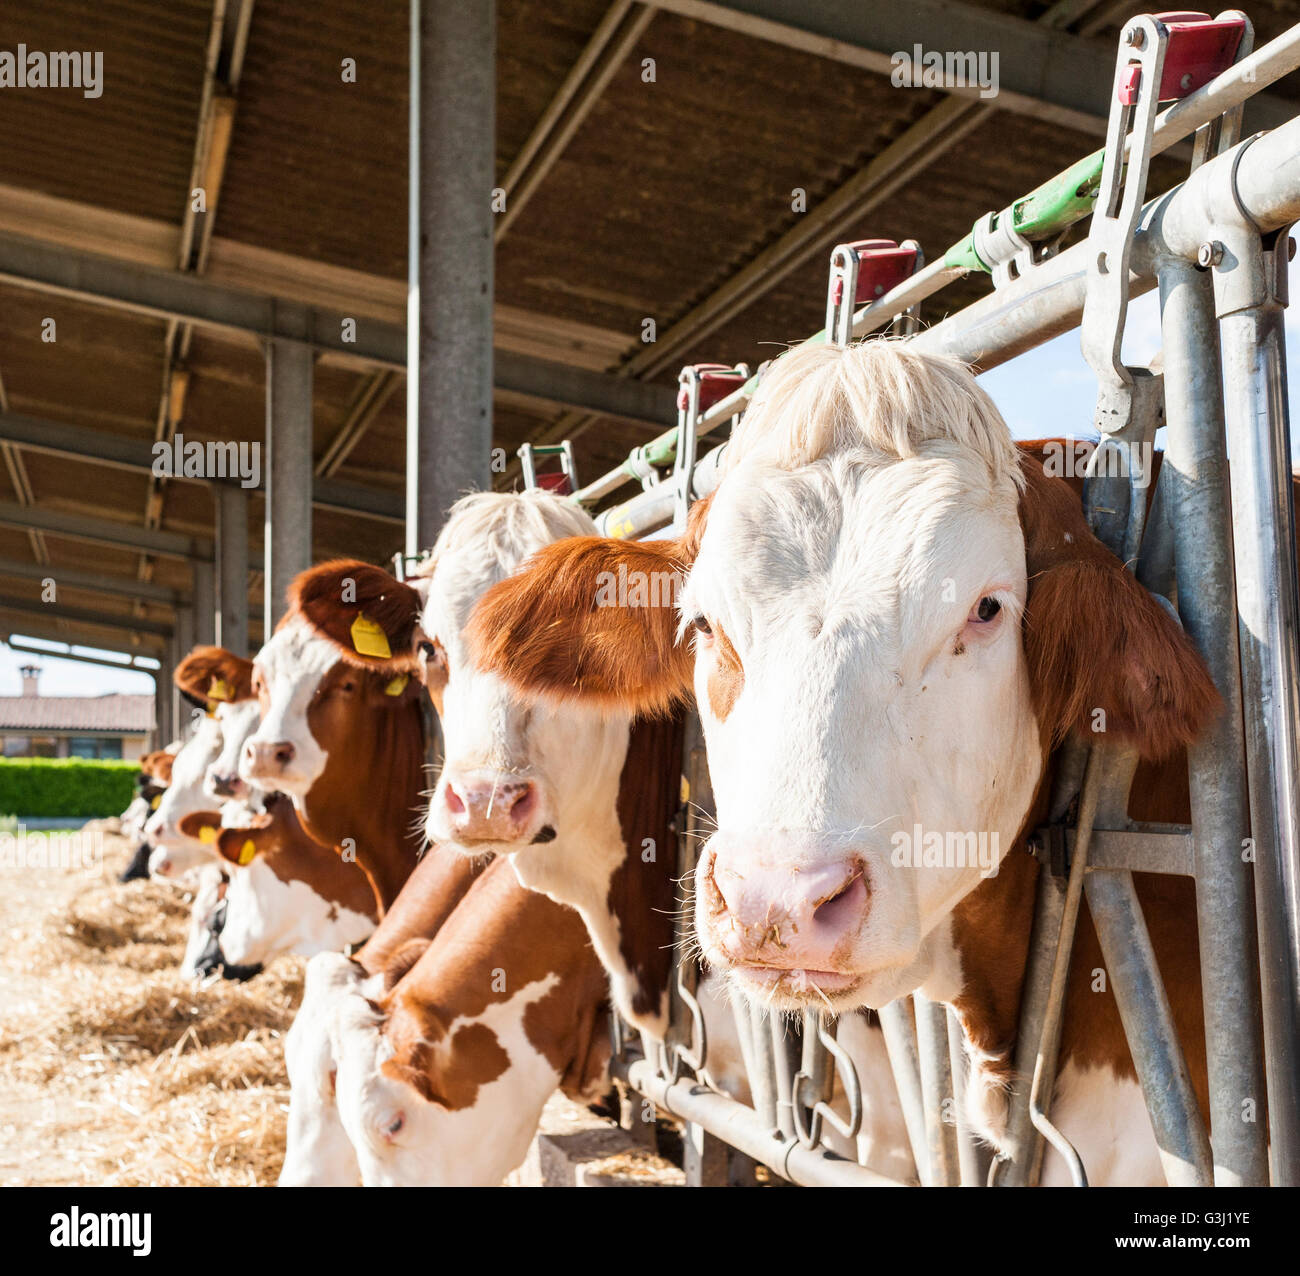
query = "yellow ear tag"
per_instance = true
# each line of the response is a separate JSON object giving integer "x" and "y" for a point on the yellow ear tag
{"x": 247, "y": 852}
{"x": 207, "y": 835}
{"x": 397, "y": 686}
{"x": 368, "y": 639}
{"x": 153, "y": 805}
{"x": 219, "y": 690}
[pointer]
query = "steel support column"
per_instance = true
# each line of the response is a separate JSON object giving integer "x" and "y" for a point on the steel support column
{"x": 162, "y": 701}
{"x": 449, "y": 301}
{"x": 1250, "y": 292}
{"x": 232, "y": 568}
{"x": 182, "y": 644}
{"x": 1196, "y": 481}
{"x": 287, "y": 526}
{"x": 204, "y": 595}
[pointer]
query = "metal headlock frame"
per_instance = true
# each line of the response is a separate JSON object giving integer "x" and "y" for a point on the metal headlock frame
{"x": 1217, "y": 248}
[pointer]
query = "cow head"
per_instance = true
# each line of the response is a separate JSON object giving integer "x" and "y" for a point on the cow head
{"x": 224, "y": 682}
{"x": 892, "y": 621}
{"x": 175, "y": 853}
{"x": 513, "y": 774}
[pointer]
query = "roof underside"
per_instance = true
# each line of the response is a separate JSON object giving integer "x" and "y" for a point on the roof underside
{"x": 665, "y": 191}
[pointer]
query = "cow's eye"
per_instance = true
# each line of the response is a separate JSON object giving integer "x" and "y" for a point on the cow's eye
{"x": 702, "y": 626}
{"x": 985, "y": 610}
{"x": 394, "y": 1126}
{"x": 432, "y": 654}
{"x": 349, "y": 686}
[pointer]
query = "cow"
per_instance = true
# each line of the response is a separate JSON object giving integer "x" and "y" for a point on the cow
{"x": 537, "y": 784}
{"x": 318, "y": 1151}
{"x": 155, "y": 775}
{"x": 891, "y": 617}
{"x": 344, "y": 743}
{"x": 284, "y": 892}
{"x": 438, "y": 1078}
{"x": 221, "y": 682}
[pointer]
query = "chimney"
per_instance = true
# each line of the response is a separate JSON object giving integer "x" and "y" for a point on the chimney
{"x": 30, "y": 673}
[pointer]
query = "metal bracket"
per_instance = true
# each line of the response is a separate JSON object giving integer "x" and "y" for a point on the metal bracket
{"x": 862, "y": 272}
{"x": 701, "y": 386}
{"x": 564, "y": 482}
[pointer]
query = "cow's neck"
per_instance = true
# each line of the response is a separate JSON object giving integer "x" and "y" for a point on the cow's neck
{"x": 620, "y": 877}
{"x": 366, "y": 799}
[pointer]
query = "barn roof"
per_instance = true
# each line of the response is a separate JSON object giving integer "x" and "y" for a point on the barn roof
{"x": 122, "y": 714}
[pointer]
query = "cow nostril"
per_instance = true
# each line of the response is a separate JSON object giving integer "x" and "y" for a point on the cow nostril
{"x": 454, "y": 804}
{"x": 521, "y": 805}
{"x": 284, "y": 753}
{"x": 837, "y": 907}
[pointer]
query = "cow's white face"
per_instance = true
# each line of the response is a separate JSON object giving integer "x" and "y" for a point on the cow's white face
{"x": 861, "y": 679}
{"x": 282, "y": 753}
{"x": 515, "y": 774}
{"x": 238, "y": 721}
{"x": 174, "y": 853}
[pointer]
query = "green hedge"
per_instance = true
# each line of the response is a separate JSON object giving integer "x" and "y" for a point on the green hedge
{"x": 54, "y": 788}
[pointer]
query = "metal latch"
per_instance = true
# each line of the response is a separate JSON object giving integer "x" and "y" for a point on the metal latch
{"x": 861, "y": 272}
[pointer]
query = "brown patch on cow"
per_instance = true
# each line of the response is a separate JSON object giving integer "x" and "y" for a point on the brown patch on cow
{"x": 370, "y": 790}
{"x": 643, "y": 895}
{"x": 317, "y": 595}
{"x": 542, "y": 631}
{"x": 1096, "y": 640}
{"x": 448, "y": 1071}
{"x": 726, "y": 678}
{"x": 498, "y": 928}
{"x": 204, "y": 666}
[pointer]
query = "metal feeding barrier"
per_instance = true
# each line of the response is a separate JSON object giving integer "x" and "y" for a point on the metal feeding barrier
{"x": 1221, "y": 541}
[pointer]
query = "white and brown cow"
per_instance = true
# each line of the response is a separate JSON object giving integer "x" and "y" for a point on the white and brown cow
{"x": 284, "y": 892}
{"x": 436, "y": 1071}
{"x": 891, "y": 617}
{"x": 346, "y": 744}
{"x": 536, "y": 783}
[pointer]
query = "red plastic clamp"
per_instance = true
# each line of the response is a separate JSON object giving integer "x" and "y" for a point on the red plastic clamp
{"x": 1200, "y": 47}
{"x": 717, "y": 380}
{"x": 882, "y": 266}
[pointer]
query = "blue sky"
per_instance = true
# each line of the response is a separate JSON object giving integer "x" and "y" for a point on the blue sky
{"x": 1048, "y": 392}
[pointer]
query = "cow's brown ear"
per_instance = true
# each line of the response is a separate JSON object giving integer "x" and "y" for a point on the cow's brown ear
{"x": 1105, "y": 658}
{"x": 213, "y": 674}
{"x": 369, "y": 615}
{"x": 202, "y": 826}
{"x": 241, "y": 846}
{"x": 589, "y": 619}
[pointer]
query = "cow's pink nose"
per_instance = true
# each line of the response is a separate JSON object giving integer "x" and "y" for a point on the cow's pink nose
{"x": 265, "y": 759}
{"x": 787, "y": 916}
{"x": 490, "y": 809}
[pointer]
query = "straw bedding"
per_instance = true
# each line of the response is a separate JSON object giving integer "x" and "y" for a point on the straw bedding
{"x": 113, "y": 1069}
